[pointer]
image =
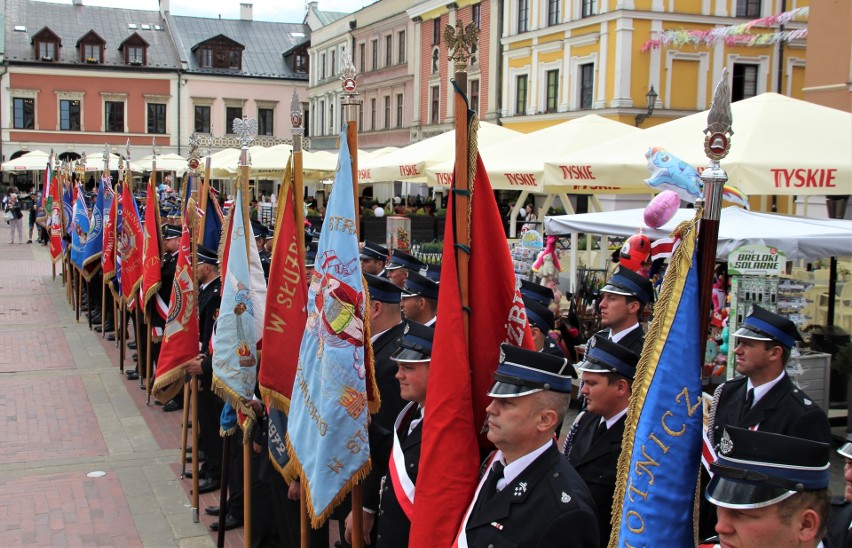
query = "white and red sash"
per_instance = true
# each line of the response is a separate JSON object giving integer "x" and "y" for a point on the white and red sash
{"x": 403, "y": 487}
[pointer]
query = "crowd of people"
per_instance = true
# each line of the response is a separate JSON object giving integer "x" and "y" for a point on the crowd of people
{"x": 770, "y": 480}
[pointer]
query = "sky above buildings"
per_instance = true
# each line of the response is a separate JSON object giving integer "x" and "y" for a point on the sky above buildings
{"x": 287, "y": 11}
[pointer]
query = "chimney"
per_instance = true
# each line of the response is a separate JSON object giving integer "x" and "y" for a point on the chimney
{"x": 77, "y": 2}
{"x": 245, "y": 12}
{"x": 164, "y": 6}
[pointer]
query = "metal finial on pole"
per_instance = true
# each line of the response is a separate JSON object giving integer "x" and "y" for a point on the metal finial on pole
{"x": 461, "y": 40}
{"x": 106, "y": 158}
{"x": 153, "y": 154}
{"x": 127, "y": 151}
{"x": 246, "y": 129}
{"x": 717, "y": 143}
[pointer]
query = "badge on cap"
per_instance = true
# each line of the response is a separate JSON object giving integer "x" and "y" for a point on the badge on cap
{"x": 726, "y": 445}
{"x": 406, "y": 329}
{"x": 502, "y": 356}
{"x": 566, "y": 498}
{"x": 591, "y": 343}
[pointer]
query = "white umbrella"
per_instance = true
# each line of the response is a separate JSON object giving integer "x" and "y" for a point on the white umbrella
{"x": 31, "y": 161}
{"x": 410, "y": 163}
{"x": 518, "y": 164}
{"x": 780, "y": 146}
{"x": 165, "y": 162}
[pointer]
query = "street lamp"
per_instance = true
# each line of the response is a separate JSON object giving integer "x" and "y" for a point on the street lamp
{"x": 651, "y": 98}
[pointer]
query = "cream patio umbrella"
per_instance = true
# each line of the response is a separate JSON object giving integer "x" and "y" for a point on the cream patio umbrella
{"x": 779, "y": 146}
{"x": 518, "y": 164}
{"x": 410, "y": 163}
{"x": 34, "y": 160}
{"x": 165, "y": 162}
{"x": 271, "y": 162}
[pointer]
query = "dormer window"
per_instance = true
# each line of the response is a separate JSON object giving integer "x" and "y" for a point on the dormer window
{"x": 135, "y": 50}
{"x": 219, "y": 52}
{"x": 300, "y": 62}
{"x": 91, "y": 48}
{"x": 46, "y": 44}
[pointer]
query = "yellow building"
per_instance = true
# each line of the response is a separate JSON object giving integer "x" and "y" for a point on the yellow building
{"x": 565, "y": 58}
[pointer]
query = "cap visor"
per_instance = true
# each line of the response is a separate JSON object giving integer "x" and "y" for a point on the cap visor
{"x": 730, "y": 493}
{"x": 409, "y": 355}
{"x": 591, "y": 367}
{"x": 393, "y": 266}
{"x": 846, "y": 450}
{"x": 746, "y": 333}
{"x": 507, "y": 390}
{"x": 608, "y": 288}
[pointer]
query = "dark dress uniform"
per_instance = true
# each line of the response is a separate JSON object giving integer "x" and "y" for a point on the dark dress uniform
{"x": 633, "y": 341}
{"x": 554, "y": 509}
{"x": 596, "y": 459}
{"x": 385, "y": 371}
{"x": 783, "y": 410}
{"x": 550, "y": 347}
{"x": 839, "y": 533}
{"x": 265, "y": 262}
{"x": 209, "y": 405}
{"x": 394, "y": 526}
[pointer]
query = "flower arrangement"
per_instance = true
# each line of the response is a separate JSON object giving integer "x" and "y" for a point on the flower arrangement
{"x": 401, "y": 238}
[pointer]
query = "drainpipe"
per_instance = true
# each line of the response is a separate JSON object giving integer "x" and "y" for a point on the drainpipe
{"x": 499, "y": 98}
{"x": 3, "y": 70}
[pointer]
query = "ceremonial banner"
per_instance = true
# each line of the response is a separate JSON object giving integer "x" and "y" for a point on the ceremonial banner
{"x": 180, "y": 335}
{"x": 284, "y": 324}
{"x": 108, "y": 255}
{"x": 95, "y": 239}
{"x": 79, "y": 230}
{"x": 327, "y": 436}
{"x": 67, "y": 210}
{"x": 240, "y": 322}
{"x": 53, "y": 208}
{"x": 212, "y": 234}
{"x": 658, "y": 469}
{"x": 151, "y": 255}
{"x": 129, "y": 240}
{"x": 119, "y": 216}
{"x": 453, "y": 423}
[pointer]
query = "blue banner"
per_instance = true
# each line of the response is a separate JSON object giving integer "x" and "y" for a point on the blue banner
{"x": 655, "y": 492}
{"x": 119, "y": 211}
{"x": 67, "y": 209}
{"x": 95, "y": 238}
{"x": 329, "y": 407}
{"x": 212, "y": 223}
{"x": 240, "y": 322}
{"x": 79, "y": 230}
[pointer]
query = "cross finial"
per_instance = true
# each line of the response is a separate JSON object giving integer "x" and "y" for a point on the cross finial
{"x": 127, "y": 150}
{"x": 296, "y": 112}
{"x": 347, "y": 74}
{"x": 106, "y": 157}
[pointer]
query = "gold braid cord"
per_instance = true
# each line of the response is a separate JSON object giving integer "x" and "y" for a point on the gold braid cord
{"x": 655, "y": 339}
{"x": 472, "y": 155}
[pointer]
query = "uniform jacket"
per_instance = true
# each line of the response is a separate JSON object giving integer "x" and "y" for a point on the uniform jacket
{"x": 265, "y": 262}
{"x": 783, "y": 410}
{"x": 596, "y": 463}
{"x": 550, "y": 347}
{"x": 167, "y": 277}
{"x": 385, "y": 368}
{"x": 546, "y": 505}
{"x": 633, "y": 341}
{"x": 393, "y": 524}
{"x": 839, "y": 534}
{"x": 209, "y": 300}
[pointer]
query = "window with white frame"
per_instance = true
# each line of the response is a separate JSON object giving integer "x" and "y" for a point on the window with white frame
{"x": 744, "y": 81}
{"x": 552, "y": 93}
{"x": 23, "y": 113}
{"x": 435, "y": 105}
{"x": 523, "y": 16}
{"x": 521, "y": 86}
{"x": 474, "y": 96}
{"x": 587, "y": 85}
{"x": 553, "y": 12}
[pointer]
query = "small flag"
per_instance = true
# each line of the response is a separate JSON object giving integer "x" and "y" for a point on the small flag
{"x": 129, "y": 240}
{"x": 95, "y": 239}
{"x": 151, "y": 255}
{"x": 79, "y": 230}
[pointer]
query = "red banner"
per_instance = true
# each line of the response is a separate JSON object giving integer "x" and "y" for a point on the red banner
{"x": 151, "y": 257}
{"x": 108, "y": 256}
{"x": 286, "y": 308}
{"x": 181, "y": 334}
{"x": 462, "y": 374}
{"x": 129, "y": 243}
{"x": 53, "y": 210}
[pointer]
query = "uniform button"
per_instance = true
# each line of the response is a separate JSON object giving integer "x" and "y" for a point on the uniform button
{"x": 378, "y": 538}
{"x": 381, "y": 512}
{"x": 411, "y": 465}
{"x": 490, "y": 546}
{"x": 556, "y": 474}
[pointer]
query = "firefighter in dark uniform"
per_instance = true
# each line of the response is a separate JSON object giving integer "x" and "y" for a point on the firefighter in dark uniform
{"x": 770, "y": 489}
{"x": 168, "y": 266}
{"x": 537, "y": 292}
{"x": 623, "y": 299}
{"x": 594, "y": 443}
{"x": 401, "y": 263}
{"x": 260, "y": 234}
{"x": 529, "y": 495}
{"x": 413, "y": 357}
{"x": 420, "y": 299}
{"x": 542, "y": 322}
{"x": 763, "y": 398}
{"x": 374, "y": 257}
{"x": 209, "y": 404}
{"x": 840, "y": 520}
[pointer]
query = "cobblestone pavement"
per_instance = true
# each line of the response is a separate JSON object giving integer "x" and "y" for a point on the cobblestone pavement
{"x": 66, "y": 412}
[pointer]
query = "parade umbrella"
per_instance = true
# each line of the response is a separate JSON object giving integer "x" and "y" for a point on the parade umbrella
{"x": 518, "y": 164}
{"x": 31, "y": 161}
{"x": 165, "y": 162}
{"x": 780, "y": 145}
{"x": 410, "y": 163}
{"x": 797, "y": 237}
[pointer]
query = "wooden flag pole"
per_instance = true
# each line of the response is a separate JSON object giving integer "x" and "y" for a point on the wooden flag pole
{"x": 184, "y": 434}
{"x": 461, "y": 41}
{"x": 223, "y": 492}
{"x": 192, "y": 222}
{"x": 350, "y": 104}
{"x": 246, "y": 128}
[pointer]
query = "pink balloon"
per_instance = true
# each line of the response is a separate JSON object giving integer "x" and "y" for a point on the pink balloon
{"x": 662, "y": 208}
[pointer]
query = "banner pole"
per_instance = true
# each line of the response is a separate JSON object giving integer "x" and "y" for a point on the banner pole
{"x": 103, "y": 302}
{"x": 120, "y": 331}
{"x": 350, "y": 104}
{"x": 223, "y": 493}
{"x": 149, "y": 365}
{"x": 298, "y": 176}
{"x": 193, "y": 384}
{"x": 461, "y": 41}
{"x": 184, "y": 434}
